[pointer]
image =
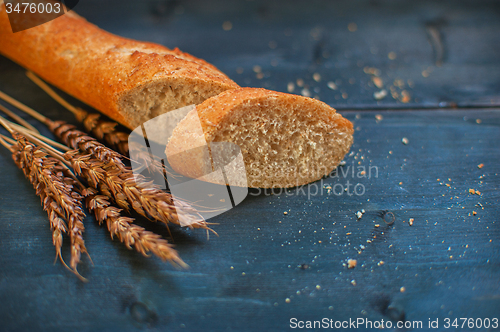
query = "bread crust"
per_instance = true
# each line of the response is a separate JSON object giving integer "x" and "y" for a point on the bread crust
{"x": 216, "y": 114}
{"x": 100, "y": 68}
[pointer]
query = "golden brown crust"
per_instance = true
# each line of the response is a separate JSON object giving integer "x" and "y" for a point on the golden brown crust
{"x": 98, "y": 67}
{"x": 221, "y": 112}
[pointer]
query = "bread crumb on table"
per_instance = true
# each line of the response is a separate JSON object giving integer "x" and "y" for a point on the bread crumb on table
{"x": 410, "y": 222}
{"x": 379, "y": 95}
{"x": 405, "y": 140}
{"x": 351, "y": 263}
{"x": 332, "y": 85}
{"x": 480, "y": 166}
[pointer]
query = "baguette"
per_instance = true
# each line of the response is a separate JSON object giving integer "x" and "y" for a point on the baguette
{"x": 285, "y": 140}
{"x": 129, "y": 81}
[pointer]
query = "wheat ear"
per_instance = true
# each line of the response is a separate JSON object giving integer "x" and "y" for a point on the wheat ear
{"x": 130, "y": 234}
{"x": 130, "y": 190}
{"x": 59, "y": 199}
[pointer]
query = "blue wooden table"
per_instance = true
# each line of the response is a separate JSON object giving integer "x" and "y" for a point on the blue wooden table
{"x": 283, "y": 256}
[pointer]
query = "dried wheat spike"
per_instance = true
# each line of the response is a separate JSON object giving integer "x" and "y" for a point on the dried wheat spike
{"x": 103, "y": 130}
{"x": 59, "y": 198}
{"x": 129, "y": 190}
{"x": 129, "y": 233}
{"x": 79, "y": 140}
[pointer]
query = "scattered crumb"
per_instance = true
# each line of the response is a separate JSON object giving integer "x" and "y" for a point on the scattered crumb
{"x": 377, "y": 225}
{"x": 378, "y": 82}
{"x": 306, "y": 93}
{"x": 287, "y": 300}
{"x": 257, "y": 69}
{"x": 405, "y": 140}
{"x": 227, "y": 26}
{"x": 372, "y": 71}
{"x": 259, "y": 76}
{"x": 318, "y": 287}
{"x": 290, "y": 87}
{"x": 379, "y": 117}
{"x": 405, "y": 96}
{"x": 300, "y": 82}
{"x": 472, "y": 191}
{"x": 352, "y": 27}
{"x": 222, "y": 200}
{"x": 380, "y": 263}
{"x": 285, "y": 213}
{"x": 478, "y": 121}
{"x": 402, "y": 289}
{"x": 353, "y": 282}
{"x": 378, "y": 95}
{"x": 351, "y": 263}
{"x": 400, "y": 183}
{"x": 425, "y": 73}
{"x": 478, "y": 192}
{"x": 480, "y": 166}
{"x": 392, "y": 55}
{"x": 332, "y": 85}
{"x": 317, "y": 77}
{"x": 359, "y": 214}
{"x": 474, "y": 213}
{"x": 345, "y": 95}
{"x": 410, "y": 222}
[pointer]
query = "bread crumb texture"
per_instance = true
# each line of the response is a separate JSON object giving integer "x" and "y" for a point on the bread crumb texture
{"x": 286, "y": 140}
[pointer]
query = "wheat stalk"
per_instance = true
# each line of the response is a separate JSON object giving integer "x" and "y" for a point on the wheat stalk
{"x": 129, "y": 233}
{"x": 123, "y": 227}
{"x": 59, "y": 199}
{"x": 131, "y": 190}
{"x": 120, "y": 226}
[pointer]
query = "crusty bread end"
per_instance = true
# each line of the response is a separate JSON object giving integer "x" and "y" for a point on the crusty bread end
{"x": 286, "y": 140}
